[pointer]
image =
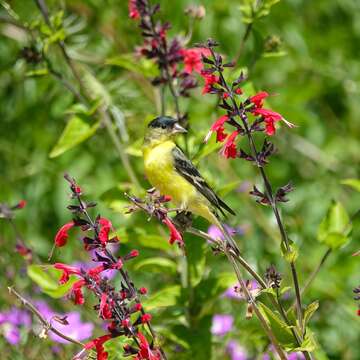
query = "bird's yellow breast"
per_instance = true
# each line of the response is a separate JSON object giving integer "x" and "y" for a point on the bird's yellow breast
{"x": 161, "y": 173}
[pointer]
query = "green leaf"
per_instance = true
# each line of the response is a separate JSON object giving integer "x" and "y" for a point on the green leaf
{"x": 48, "y": 280}
{"x": 129, "y": 62}
{"x": 76, "y": 131}
{"x": 156, "y": 264}
{"x": 309, "y": 312}
{"x": 195, "y": 250}
{"x": 354, "y": 183}
{"x": 279, "y": 327}
{"x": 291, "y": 254}
{"x": 163, "y": 298}
{"x": 154, "y": 242}
{"x": 335, "y": 227}
{"x": 37, "y": 72}
{"x": 308, "y": 344}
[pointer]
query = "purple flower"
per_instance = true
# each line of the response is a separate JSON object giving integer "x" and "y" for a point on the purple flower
{"x": 221, "y": 324}
{"x": 11, "y": 334}
{"x": 215, "y": 232}
{"x": 296, "y": 356}
{"x": 10, "y": 323}
{"x": 76, "y": 329}
{"x": 236, "y": 351}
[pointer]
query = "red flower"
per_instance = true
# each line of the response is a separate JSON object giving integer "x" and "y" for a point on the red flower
{"x": 210, "y": 80}
{"x": 137, "y": 307}
{"x": 225, "y": 95}
{"x": 258, "y": 99}
{"x": 105, "y": 310}
{"x": 67, "y": 271}
{"x": 238, "y": 91}
{"x": 21, "y": 204}
{"x": 358, "y": 312}
{"x": 193, "y": 59}
{"x": 98, "y": 344}
{"x": 145, "y": 352}
{"x": 218, "y": 127}
{"x": 62, "y": 235}
{"x": 105, "y": 227}
{"x": 76, "y": 292}
{"x": 174, "y": 233}
{"x": 229, "y": 149}
{"x": 133, "y": 10}
{"x": 146, "y": 318}
{"x": 143, "y": 290}
{"x": 95, "y": 272}
{"x": 271, "y": 117}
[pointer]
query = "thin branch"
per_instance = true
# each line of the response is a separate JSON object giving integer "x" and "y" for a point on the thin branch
{"x": 243, "y": 41}
{"x": 47, "y": 325}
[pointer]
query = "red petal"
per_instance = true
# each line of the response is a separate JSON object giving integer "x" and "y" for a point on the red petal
{"x": 62, "y": 235}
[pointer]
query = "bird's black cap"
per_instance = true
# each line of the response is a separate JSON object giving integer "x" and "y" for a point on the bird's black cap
{"x": 162, "y": 122}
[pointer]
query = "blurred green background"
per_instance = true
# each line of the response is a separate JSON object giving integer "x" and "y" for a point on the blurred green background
{"x": 305, "y": 52}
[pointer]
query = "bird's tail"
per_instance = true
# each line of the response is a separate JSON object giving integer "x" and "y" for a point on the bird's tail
{"x": 231, "y": 242}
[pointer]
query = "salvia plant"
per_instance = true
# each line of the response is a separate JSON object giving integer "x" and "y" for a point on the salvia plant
{"x": 243, "y": 132}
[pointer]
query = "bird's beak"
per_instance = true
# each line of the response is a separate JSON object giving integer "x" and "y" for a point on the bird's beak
{"x": 178, "y": 129}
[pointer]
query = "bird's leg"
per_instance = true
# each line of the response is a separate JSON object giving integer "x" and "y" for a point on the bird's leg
{"x": 183, "y": 220}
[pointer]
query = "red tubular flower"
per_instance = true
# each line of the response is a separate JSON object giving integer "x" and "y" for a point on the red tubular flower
{"x": 229, "y": 149}
{"x": 145, "y": 352}
{"x": 21, "y": 204}
{"x": 218, "y": 127}
{"x": 271, "y": 117}
{"x": 133, "y": 10}
{"x": 105, "y": 310}
{"x": 174, "y": 233}
{"x": 105, "y": 227}
{"x": 258, "y": 99}
{"x": 193, "y": 59}
{"x": 210, "y": 80}
{"x": 98, "y": 344}
{"x": 76, "y": 292}
{"x": 62, "y": 235}
{"x": 67, "y": 271}
{"x": 95, "y": 272}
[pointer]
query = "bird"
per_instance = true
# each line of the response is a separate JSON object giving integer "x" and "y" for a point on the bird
{"x": 169, "y": 171}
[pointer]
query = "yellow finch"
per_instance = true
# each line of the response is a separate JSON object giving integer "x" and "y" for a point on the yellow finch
{"x": 172, "y": 173}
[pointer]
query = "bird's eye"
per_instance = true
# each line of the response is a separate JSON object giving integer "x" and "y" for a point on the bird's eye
{"x": 163, "y": 126}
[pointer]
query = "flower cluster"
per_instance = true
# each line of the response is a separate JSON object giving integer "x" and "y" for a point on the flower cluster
{"x": 176, "y": 63}
{"x": 120, "y": 308}
{"x": 239, "y": 109}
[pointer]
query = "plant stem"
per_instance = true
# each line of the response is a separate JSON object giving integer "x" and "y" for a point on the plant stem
{"x": 47, "y": 324}
{"x": 243, "y": 41}
{"x": 268, "y": 189}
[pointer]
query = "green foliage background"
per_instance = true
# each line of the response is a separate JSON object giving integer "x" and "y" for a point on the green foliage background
{"x": 314, "y": 70}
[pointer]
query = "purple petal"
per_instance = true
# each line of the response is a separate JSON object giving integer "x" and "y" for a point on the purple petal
{"x": 236, "y": 351}
{"x": 12, "y": 334}
{"x": 221, "y": 324}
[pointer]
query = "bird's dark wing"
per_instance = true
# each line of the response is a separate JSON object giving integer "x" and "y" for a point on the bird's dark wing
{"x": 186, "y": 169}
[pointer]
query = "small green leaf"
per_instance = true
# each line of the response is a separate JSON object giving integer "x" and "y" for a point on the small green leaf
{"x": 37, "y": 72}
{"x": 354, "y": 183}
{"x": 163, "y": 298}
{"x": 76, "y": 131}
{"x": 291, "y": 254}
{"x": 139, "y": 66}
{"x": 195, "y": 249}
{"x": 309, "y": 312}
{"x": 156, "y": 264}
{"x": 279, "y": 327}
{"x": 308, "y": 344}
{"x": 335, "y": 227}
{"x": 48, "y": 280}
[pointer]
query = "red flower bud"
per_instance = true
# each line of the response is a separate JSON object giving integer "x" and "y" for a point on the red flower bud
{"x": 21, "y": 204}
{"x": 175, "y": 236}
{"x": 146, "y": 318}
{"x": 239, "y": 91}
{"x": 62, "y": 235}
{"x": 143, "y": 291}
